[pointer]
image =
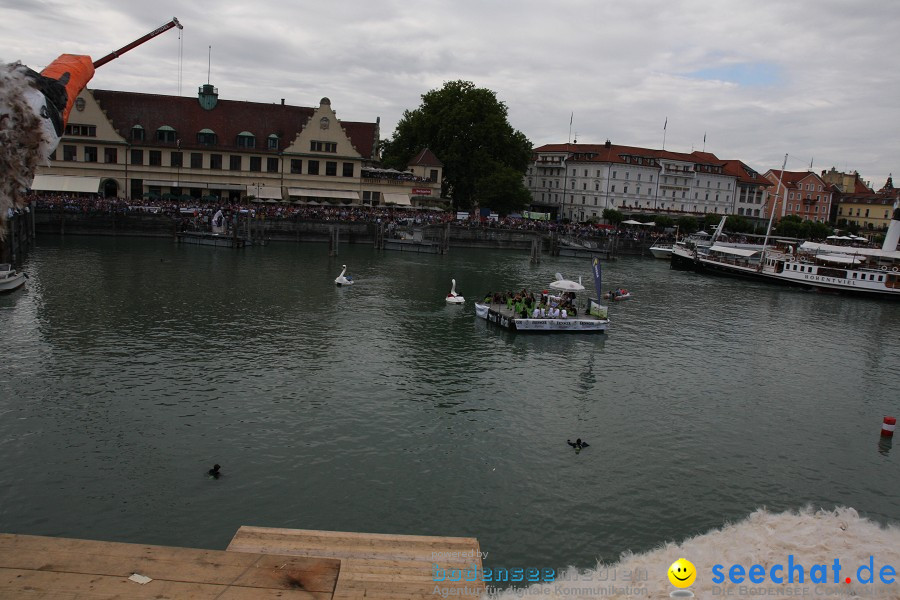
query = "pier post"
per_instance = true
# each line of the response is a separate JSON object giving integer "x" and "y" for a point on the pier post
{"x": 536, "y": 249}
{"x": 333, "y": 234}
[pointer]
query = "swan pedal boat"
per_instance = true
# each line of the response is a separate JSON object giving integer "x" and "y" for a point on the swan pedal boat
{"x": 453, "y": 297}
{"x": 341, "y": 280}
{"x": 10, "y": 279}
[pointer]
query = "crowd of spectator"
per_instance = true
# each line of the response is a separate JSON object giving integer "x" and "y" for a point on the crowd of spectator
{"x": 197, "y": 215}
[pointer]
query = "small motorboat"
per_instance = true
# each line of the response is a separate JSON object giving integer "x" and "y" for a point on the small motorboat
{"x": 616, "y": 295}
{"x": 10, "y": 279}
{"x": 453, "y": 297}
{"x": 341, "y": 279}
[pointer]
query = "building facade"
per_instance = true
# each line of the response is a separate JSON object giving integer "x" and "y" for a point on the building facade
{"x": 579, "y": 181}
{"x": 800, "y": 193}
{"x": 133, "y": 146}
{"x": 869, "y": 210}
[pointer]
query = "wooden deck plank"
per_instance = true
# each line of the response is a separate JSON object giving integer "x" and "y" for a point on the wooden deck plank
{"x": 33, "y": 585}
{"x": 311, "y": 544}
{"x": 67, "y": 562}
{"x": 373, "y": 565}
{"x": 247, "y": 535}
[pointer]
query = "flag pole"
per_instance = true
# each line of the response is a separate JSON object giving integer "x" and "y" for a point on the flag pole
{"x": 666, "y": 124}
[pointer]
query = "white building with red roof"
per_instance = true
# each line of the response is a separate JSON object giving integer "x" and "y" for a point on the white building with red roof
{"x": 578, "y": 181}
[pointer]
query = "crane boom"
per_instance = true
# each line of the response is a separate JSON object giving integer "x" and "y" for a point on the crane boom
{"x": 113, "y": 55}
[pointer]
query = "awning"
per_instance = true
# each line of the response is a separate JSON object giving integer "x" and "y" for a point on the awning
{"x": 65, "y": 183}
{"x": 346, "y": 194}
{"x": 733, "y": 251}
{"x": 839, "y": 259}
{"x": 400, "y": 199}
{"x": 264, "y": 192}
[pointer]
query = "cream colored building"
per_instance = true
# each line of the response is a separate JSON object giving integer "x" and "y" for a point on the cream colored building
{"x": 131, "y": 145}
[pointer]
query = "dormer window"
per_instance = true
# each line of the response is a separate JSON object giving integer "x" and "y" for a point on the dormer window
{"x": 137, "y": 133}
{"x": 207, "y": 137}
{"x": 166, "y": 134}
{"x": 245, "y": 139}
{"x": 272, "y": 143}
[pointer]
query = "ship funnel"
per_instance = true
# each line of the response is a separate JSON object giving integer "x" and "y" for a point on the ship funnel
{"x": 893, "y": 232}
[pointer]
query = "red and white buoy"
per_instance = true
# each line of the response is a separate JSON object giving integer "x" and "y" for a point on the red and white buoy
{"x": 887, "y": 428}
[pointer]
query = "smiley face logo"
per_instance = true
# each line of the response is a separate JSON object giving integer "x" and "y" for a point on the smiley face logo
{"x": 682, "y": 573}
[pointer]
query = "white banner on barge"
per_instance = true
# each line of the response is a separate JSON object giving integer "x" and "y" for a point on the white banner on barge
{"x": 519, "y": 324}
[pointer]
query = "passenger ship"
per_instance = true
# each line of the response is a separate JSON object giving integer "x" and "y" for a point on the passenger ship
{"x": 827, "y": 267}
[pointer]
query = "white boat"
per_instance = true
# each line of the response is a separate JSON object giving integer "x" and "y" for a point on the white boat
{"x": 10, "y": 279}
{"x": 453, "y": 297}
{"x": 341, "y": 280}
{"x": 590, "y": 317}
{"x": 663, "y": 251}
{"x": 825, "y": 267}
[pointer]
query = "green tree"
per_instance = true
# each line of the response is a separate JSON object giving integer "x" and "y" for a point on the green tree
{"x": 467, "y": 129}
{"x": 818, "y": 231}
{"x": 711, "y": 220}
{"x": 739, "y": 224}
{"x": 613, "y": 216}
{"x": 790, "y": 226}
{"x": 686, "y": 225}
{"x": 664, "y": 221}
{"x": 502, "y": 191}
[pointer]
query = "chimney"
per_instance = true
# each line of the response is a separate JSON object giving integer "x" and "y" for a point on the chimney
{"x": 608, "y": 143}
{"x": 282, "y": 101}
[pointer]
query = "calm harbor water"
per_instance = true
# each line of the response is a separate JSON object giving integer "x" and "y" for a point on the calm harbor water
{"x": 131, "y": 366}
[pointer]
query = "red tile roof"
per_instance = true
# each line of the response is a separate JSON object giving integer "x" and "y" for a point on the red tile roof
{"x": 227, "y": 120}
{"x": 615, "y": 153}
{"x": 426, "y": 158}
{"x": 744, "y": 173}
{"x": 861, "y": 188}
{"x": 792, "y": 178}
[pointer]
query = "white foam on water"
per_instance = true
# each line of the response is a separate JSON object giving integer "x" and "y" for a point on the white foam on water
{"x": 23, "y": 142}
{"x": 813, "y": 537}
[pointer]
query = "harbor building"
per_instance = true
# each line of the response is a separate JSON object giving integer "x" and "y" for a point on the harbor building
{"x": 132, "y": 145}
{"x": 801, "y": 193}
{"x": 578, "y": 181}
{"x": 867, "y": 209}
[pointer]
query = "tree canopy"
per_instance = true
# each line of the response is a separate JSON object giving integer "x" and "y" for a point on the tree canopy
{"x": 613, "y": 216}
{"x": 795, "y": 226}
{"x": 467, "y": 129}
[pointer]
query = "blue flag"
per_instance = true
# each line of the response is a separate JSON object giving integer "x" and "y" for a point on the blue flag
{"x": 597, "y": 277}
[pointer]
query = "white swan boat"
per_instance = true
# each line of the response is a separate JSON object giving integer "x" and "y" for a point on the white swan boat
{"x": 10, "y": 279}
{"x": 591, "y": 316}
{"x": 341, "y": 280}
{"x": 453, "y": 297}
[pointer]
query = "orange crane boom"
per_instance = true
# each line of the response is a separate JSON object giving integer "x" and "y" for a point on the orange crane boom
{"x": 113, "y": 55}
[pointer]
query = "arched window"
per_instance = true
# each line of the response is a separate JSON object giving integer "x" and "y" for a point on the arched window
{"x": 166, "y": 134}
{"x": 207, "y": 137}
{"x": 245, "y": 139}
{"x": 137, "y": 133}
{"x": 273, "y": 142}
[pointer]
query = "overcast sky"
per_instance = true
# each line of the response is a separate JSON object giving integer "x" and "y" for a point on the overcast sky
{"x": 815, "y": 79}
